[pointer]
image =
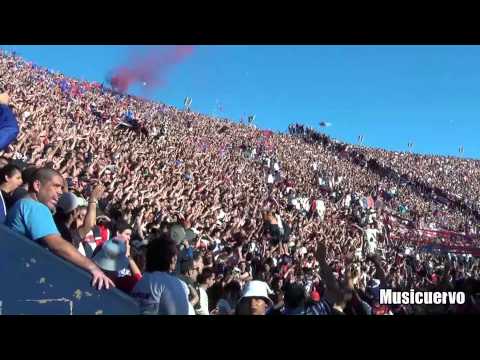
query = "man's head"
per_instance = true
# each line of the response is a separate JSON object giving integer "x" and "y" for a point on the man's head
{"x": 46, "y": 185}
{"x": 123, "y": 229}
{"x": 11, "y": 176}
{"x": 294, "y": 295}
{"x": 206, "y": 277}
{"x": 188, "y": 269}
{"x": 198, "y": 261}
{"x": 255, "y": 297}
{"x": 161, "y": 255}
{"x": 72, "y": 207}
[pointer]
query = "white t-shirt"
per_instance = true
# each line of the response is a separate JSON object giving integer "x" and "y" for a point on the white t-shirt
{"x": 320, "y": 207}
{"x": 203, "y": 302}
{"x": 270, "y": 179}
{"x": 371, "y": 239}
{"x": 81, "y": 249}
{"x": 305, "y": 204}
{"x": 276, "y": 167}
{"x": 280, "y": 224}
{"x": 160, "y": 293}
{"x": 347, "y": 201}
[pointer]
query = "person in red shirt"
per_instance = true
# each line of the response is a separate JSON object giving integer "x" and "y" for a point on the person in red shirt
{"x": 116, "y": 260}
{"x": 130, "y": 278}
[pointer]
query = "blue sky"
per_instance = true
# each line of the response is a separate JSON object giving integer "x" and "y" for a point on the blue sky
{"x": 389, "y": 94}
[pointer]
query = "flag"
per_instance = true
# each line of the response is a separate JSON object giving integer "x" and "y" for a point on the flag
{"x": 188, "y": 102}
{"x": 64, "y": 86}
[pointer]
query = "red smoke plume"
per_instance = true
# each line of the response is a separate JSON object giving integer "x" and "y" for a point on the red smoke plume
{"x": 150, "y": 68}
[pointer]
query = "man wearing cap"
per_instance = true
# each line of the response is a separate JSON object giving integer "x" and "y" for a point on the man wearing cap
{"x": 255, "y": 299}
{"x": 32, "y": 218}
{"x": 66, "y": 215}
{"x": 74, "y": 222}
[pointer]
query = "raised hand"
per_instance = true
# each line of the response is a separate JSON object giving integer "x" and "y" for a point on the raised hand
{"x": 4, "y": 99}
{"x": 97, "y": 192}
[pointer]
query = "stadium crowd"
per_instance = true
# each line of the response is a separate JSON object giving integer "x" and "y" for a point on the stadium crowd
{"x": 191, "y": 214}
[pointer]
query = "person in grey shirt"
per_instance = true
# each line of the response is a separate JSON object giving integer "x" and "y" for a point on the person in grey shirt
{"x": 160, "y": 292}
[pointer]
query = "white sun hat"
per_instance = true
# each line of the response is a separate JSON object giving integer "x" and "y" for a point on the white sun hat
{"x": 257, "y": 289}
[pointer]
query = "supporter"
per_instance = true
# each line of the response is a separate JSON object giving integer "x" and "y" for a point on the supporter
{"x": 66, "y": 218}
{"x": 22, "y": 190}
{"x": 255, "y": 299}
{"x": 205, "y": 280}
{"x": 159, "y": 292}
{"x": 32, "y": 217}
{"x": 114, "y": 258}
{"x": 10, "y": 180}
{"x": 232, "y": 293}
{"x": 188, "y": 274}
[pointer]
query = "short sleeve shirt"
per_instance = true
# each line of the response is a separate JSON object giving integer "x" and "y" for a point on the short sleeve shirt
{"x": 163, "y": 294}
{"x": 32, "y": 219}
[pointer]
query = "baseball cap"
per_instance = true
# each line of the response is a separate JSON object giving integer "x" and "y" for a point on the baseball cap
{"x": 69, "y": 202}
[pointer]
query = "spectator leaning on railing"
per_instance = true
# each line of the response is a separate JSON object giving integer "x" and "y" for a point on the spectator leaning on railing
{"x": 32, "y": 217}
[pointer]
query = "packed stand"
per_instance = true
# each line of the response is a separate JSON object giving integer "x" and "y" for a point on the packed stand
{"x": 195, "y": 215}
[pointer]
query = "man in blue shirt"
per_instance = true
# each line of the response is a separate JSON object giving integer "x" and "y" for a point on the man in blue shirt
{"x": 32, "y": 217}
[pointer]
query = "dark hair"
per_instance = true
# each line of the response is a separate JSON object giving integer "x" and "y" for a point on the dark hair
{"x": 121, "y": 225}
{"x": 204, "y": 276}
{"x": 8, "y": 170}
{"x": 115, "y": 213}
{"x": 197, "y": 255}
{"x": 43, "y": 175}
{"x": 294, "y": 295}
{"x": 233, "y": 289}
{"x": 186, "y": 265}
{"x": 160, "y": 253}
{"x": 27, "y": 174}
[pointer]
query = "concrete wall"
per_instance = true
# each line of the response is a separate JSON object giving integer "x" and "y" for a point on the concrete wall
{"x": 34, "y": 281}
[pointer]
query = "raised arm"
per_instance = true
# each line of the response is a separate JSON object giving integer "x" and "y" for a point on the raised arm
{"x": 91, "y": 216}
{"x": 332, "y": 293}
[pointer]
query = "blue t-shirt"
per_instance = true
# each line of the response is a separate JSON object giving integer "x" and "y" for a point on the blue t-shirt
{"x": 32, "y": 219}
